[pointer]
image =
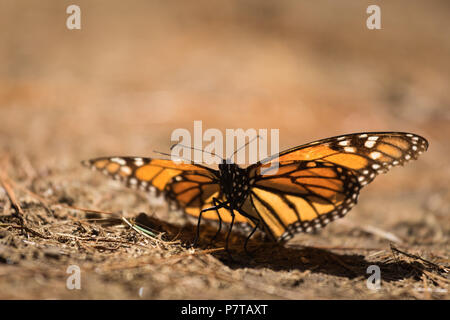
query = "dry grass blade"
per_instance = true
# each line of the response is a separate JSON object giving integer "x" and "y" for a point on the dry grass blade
{"x": 423, "y": 266}
{"x": 18, "y": 212}
{"x": 382, "y": 234}
{"x": 140, "y": 230}
{"x": 444, "y": 269}
{"x": 374, "y": 231}
{"x": 11, "y": 195}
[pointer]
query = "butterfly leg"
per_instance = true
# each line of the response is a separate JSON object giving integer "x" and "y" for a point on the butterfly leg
{"x": 248, "y": 238}
{"x": 256, "y": 222}
{"x": 197, "y": 236}
{"x": 216, "y": 203}
{"x": 229, "y": 231}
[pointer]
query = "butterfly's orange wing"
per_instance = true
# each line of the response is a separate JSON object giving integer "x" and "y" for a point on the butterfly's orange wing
{"x": 306, "y": 187}
{"x": 367, "y": 154}
{"x": 189, "y": 186}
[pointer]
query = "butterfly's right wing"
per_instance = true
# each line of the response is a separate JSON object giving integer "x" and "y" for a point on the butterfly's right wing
{"x": 302, "y": 197}
{"x": 306, "y": 187}
{"x": 190, "y": 187}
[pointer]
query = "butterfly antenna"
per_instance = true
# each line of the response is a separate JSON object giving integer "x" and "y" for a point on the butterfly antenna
{"x": 193, "y": 148}
{"x": 171, "y": 155}
{"x": 250, "y": 141}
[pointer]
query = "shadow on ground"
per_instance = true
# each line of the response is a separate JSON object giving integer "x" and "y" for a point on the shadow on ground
{"x": 278, "y": 257}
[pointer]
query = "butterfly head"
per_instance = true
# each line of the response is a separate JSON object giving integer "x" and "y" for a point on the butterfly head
{"x": 227, "y": 169}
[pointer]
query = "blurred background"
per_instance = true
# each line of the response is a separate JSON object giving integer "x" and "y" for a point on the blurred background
{"x": 137, "y": 70}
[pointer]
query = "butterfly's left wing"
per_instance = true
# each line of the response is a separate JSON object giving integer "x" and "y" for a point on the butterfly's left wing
{"x": 306, "y": 187}
{"x": 188, "y": 186}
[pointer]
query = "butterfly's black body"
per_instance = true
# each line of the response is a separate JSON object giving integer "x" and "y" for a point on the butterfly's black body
{"x": 234, "y": 183}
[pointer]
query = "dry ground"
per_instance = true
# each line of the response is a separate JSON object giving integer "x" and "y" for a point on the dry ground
{"x": 138, "y": 70}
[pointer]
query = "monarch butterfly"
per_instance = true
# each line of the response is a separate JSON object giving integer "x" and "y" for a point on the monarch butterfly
{"x": 312, "y": 185}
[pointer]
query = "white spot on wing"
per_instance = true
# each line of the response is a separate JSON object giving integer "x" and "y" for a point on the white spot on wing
{"x": 126, "y": 170}
{"x": 349, "y": 149}
{"x": 375, "y": 155}
{"x": 138, "y": 161}
{"x": 369, "y": 144}
{"x": 120, "y": 161}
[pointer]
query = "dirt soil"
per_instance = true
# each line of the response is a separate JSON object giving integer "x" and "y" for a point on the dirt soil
{"x": 138, "y": 70}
